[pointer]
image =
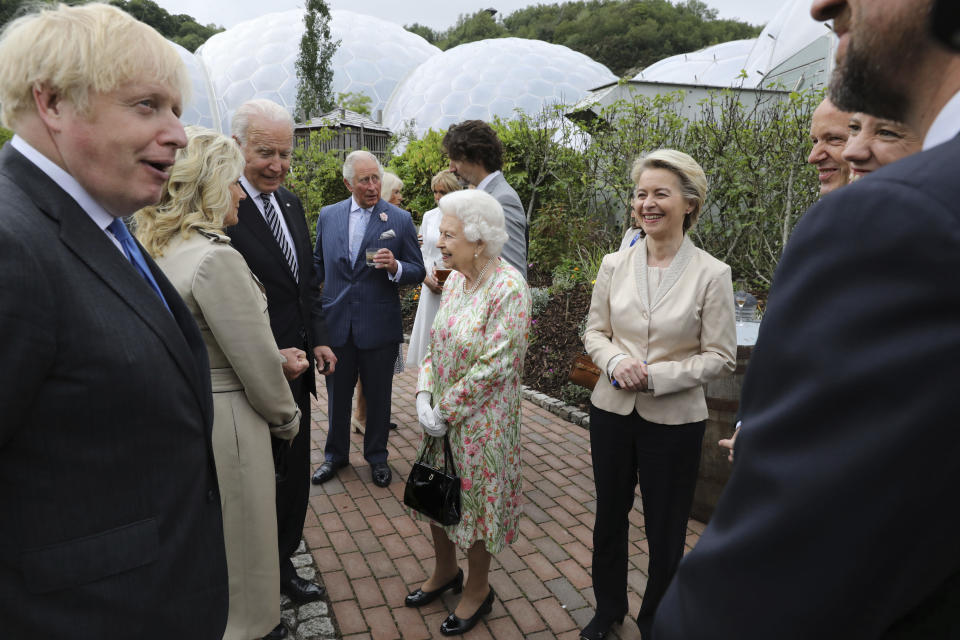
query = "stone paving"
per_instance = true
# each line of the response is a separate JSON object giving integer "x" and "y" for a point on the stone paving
{"x": 369, "y": 553}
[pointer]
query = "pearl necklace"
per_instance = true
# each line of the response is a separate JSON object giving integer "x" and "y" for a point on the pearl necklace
{"x": 479, "y": 279}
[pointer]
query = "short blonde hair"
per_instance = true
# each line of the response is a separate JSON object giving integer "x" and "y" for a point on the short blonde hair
{"x": 446, "y": 180}
{"x": 693, "y": 181}
{"x": 481, "y": 216}
{"x": 391, "y": 182}
{"x": 197, "y": 195}
{"x": 76, "y": 50}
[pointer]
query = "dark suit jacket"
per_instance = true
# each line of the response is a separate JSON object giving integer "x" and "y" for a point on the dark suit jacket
{"x": 357, "y": 298}
{"x": 110, "y": 520}
{"x": 841, "y": 515}
{"x": 295, "y": 318}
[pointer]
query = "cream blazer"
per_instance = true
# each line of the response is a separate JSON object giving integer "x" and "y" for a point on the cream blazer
{"x": 686, "y": 333}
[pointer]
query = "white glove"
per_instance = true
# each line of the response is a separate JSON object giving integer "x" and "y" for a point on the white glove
{"x": 428, "y": 417}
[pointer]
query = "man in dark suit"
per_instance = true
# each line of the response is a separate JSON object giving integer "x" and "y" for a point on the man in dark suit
{"x": 839, "y": 519}
{"x": 111, "y": 521}
{"x": 476, "y": 157}
{"x": 362, "y": 308}
{"x": 273, "y": 237}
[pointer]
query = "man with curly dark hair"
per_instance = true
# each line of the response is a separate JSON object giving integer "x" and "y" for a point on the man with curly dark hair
{"x": 476, "y": 157}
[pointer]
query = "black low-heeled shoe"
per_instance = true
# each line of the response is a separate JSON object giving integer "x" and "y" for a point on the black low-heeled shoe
{"x": 598, "y": 628}
{"x": 420, "y": 597}
{"x": 455, "y": 626}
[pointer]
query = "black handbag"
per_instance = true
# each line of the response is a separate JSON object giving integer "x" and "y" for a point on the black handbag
{"x": 435, "y": 492}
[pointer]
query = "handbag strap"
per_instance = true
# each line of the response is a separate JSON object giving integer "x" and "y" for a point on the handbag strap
{"x": 448, "y": 464}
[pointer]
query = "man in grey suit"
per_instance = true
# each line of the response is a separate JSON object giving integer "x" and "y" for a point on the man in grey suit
{"x": 476, "y": 156}
{"x": 108, "y": 492}
{"x": 361, "y": 304}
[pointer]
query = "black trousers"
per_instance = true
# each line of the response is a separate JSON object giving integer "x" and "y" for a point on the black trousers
{"x": 293, "y": 482}
{"x": 375, "y": 370}
{"x": 663, "y": 460}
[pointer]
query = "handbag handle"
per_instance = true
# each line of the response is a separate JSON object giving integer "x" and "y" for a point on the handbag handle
{"x": 449, "y": 466}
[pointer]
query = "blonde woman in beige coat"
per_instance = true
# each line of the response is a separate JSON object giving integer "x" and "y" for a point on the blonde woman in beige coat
{"x": 251, "y": 397}
{"x": 661, "y": 325}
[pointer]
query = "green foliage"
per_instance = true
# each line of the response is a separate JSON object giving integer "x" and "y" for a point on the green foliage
{"x": 180, "y": 28}
{"x": 575, "y": 395}
{"x": 539, "y": 297}
{"x": 314, "y": 68}
{"x": 625, "y": 35}
{"x": 354, "y": 101}
{"x": 416, "y": 166}
{"x": 317, "y": 176}
{"x": 5, "y": 135}
{"x": 423, "y": 31}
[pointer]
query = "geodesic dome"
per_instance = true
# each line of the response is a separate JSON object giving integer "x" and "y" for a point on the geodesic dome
{"x": 791, "y": 46}
{"x": 256, "y": 58}
{"x": 200, "y": 109}
{"x": 717, "y": 65}
{"x": 491, "y": 78}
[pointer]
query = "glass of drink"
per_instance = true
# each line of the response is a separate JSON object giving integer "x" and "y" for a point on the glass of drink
{"x": 369, "y": 255}
{"x": 440, "y": 271}
{"x": 740, "y": 297}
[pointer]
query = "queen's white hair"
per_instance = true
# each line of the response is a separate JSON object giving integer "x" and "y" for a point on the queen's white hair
{"x": 481, "y": 216}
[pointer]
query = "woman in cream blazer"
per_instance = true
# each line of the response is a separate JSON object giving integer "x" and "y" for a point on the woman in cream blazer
{"x": 251, "y": 397}
{"x": 661, "y": 325}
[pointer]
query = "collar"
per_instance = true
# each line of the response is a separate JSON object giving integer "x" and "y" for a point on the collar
{"x": 946, "y": 125}
{"x": 253, "y": 192}
{"x": 65, "y": 181}
{"x": 355, "y": 206}
{"x": 488, "y": 179}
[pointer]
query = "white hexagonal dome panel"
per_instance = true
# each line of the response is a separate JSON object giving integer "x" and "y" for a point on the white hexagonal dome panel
{"x": 256, "y": 58}
{"x": 200, "y": 108}
{"x": 480, "y": 80}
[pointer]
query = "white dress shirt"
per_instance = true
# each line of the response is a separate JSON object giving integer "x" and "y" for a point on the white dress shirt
{"x": 946, "y": 125}
{"x": 254, "y": 194}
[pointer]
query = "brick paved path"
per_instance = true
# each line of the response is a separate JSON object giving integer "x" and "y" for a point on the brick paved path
{"x": 370, "y": 553}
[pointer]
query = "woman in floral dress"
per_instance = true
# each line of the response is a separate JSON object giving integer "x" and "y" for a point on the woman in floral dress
{"x": 469, "y": 388}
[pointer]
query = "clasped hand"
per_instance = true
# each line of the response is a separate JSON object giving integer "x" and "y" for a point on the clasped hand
{"x": 430, "y": 420}
{"x": 631, "y": 374}
{"x": 295, "y": 362}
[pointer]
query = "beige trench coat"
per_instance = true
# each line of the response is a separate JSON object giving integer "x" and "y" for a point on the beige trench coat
{"x": 251, "y": 398}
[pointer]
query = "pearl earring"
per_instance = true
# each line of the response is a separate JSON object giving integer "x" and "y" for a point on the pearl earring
{"x": 476, "y": 255}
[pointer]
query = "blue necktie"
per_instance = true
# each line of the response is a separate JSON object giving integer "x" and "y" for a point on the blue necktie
{"x": 132, "y": 251}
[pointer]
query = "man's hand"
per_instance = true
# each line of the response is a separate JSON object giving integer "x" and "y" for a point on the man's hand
{"x": 729, "y": 443}
{"x": 326, "y": 361}
{"x": 631, "y": 374}
{"x": 383, "y": 259}
{"x": 296, "y": 362}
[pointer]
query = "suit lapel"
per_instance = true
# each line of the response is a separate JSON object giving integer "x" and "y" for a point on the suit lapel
{"x": 375, "y": 227}
{"x": 297, "y": 224}
{"x": 251, "y": 217}
{"x": 672, "y": 273}
{"x": 640, "y": 272}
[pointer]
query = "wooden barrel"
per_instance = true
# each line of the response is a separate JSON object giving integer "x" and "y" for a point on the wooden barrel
{"x": 723, "y": 401}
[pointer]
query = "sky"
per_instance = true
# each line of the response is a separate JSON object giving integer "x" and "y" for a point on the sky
{"x": 437, "y": 14}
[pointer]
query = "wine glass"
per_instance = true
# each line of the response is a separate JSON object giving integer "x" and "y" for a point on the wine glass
{"x": 740, "y": 297}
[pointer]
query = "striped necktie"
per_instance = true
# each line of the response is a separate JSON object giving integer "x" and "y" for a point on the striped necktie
{"x": 273, "y": 220}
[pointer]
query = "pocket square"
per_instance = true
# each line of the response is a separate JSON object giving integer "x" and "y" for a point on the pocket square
{"x": 389, "y": 233}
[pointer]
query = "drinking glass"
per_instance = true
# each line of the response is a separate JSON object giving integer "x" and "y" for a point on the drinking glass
{"x": 740, "y": 297}
{"x": 440, "y": 271}
{"x": 372, "y": 251}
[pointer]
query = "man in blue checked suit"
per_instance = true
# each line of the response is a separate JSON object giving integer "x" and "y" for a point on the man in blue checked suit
{"x": 362, "y": 308}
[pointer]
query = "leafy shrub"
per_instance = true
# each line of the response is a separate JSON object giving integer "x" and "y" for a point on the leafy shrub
{"x": 575, "y": 395}
{"x": 540, "y": 296}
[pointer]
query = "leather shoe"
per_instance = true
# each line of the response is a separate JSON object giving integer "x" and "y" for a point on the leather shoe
{"x": 381, "y": 474}
{"x": 454, "y": 626}
{"x": 598, "y": 627}
{"x": 420, "y": 597}
{"x": 278, "y": 632}
{"x": 301, "y": 591}
{"x": 326, "y": 471}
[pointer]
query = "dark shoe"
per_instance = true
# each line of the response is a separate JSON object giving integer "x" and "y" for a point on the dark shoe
{"x": 381, "y": 474}
{"x": 326, "y": 471}
{"x": 278, "y": 632}
{"x": 598, "y": 628}
{"x": 301, "y": 591}
{"x": 420, "y": 597}
{"x": 454, "y": 626}
{"x": 393, "y": 425}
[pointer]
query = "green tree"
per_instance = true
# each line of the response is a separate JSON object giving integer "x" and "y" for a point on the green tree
{"x": 470, "y": 28}
{"x": 423, "y": 31}
{"x": 180, "y": 28}
{"x": 314, "y": 69}
{"x": 5, "y": 135}
{"x": 355, "y": 101}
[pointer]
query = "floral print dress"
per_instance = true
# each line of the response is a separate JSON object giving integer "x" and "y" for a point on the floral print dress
{"x": 472, "y": 367}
